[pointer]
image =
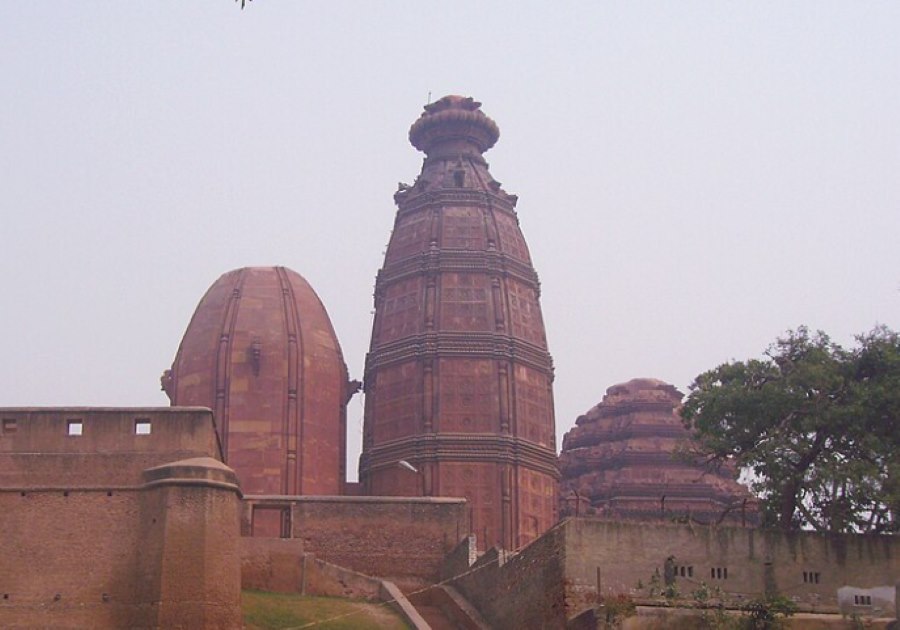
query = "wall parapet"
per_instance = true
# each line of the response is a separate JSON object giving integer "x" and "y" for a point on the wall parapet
{"x": 401, "y": 538}
{"x": 85, "y": 447}
{"x": 116, "y": 518}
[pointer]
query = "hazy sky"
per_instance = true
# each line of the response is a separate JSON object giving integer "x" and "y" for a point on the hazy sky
{"x": 694, "y": 178}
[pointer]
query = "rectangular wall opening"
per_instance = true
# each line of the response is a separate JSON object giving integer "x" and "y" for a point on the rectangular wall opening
{"x": 75, "y": 428}
{"x": 142, "y": 426}
{"x": 271, "y": 521}
{"x": 10, "y": 425}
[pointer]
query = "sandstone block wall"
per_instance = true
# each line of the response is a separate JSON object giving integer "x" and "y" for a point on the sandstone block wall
{"x": 390, "y": 537}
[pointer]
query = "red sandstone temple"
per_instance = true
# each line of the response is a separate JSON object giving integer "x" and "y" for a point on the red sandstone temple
{"x": 628, "y": 458}
{"x": 458, "y": 378}
{"x": 126, "y": 517}
{"x": 260, "y": 352}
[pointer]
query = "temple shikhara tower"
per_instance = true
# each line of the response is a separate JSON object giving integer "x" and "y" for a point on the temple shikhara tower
{"x": 260, "y": 352}
{"x": 628, "y": 459}
{"x": 458, "y": 377}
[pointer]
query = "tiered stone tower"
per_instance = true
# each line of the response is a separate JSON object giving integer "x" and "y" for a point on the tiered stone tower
{"x": 628, "y": 458}
{"x": 260, "y": 351}
{"x": 458, "y": 378}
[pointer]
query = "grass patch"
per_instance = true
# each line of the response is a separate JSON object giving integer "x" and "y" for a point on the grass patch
{"x": 278, "y": 611}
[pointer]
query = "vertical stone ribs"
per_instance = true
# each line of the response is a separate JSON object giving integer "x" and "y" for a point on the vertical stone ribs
{"x": 260, "y": 350}
{"x": 458, "y": 377}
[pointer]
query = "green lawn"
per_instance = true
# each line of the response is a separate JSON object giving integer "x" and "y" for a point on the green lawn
{"x": 276, "y": 611}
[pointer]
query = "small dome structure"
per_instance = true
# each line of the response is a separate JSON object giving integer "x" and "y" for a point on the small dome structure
{"x": 629, "y": 458}
{"x": 260, "y": 351}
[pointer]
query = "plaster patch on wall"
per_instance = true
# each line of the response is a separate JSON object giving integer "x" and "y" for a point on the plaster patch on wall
{"x": 883, "y": 598}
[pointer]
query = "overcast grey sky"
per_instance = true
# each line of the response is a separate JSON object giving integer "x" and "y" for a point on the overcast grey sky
{"x": 694, "y": 177}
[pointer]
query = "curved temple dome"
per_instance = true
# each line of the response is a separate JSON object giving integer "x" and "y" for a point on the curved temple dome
{"x": 627, "y": 458}
{"x": 458, "y": 376}
{"x": 260, "y": 351}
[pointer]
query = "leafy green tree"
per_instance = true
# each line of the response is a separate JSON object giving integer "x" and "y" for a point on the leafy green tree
{"x": 817, "y": 425}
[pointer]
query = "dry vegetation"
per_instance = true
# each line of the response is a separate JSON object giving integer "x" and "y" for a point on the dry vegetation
{"x": 276, "y": 611}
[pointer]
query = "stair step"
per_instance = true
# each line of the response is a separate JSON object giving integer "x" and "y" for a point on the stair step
{"x": 435, "y": 618}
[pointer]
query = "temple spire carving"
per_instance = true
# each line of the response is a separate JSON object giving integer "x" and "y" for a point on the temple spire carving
{"x": 458, "y": 376}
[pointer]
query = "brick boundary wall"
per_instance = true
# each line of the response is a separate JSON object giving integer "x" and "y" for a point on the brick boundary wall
{"x": 104, "y": 529}
{"x": 556, "y": 579}
{"x": 827, "y": 573}
{"x": 525, "y": 589}
{"x": 401, "y": 538}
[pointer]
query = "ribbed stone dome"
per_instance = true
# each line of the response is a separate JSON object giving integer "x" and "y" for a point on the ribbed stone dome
{"x": 260, "y": 351}
{"x": 627, "y": 458}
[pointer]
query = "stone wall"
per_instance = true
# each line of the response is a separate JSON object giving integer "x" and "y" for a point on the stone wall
{"x": 44, "y": 447}
{"x": 393, "y": 537}
{"x": 280, "y": 565}
{"x": 557, "y": 577}
{"x": 107, "y": 530}
{"x": 744, "y": 563}
{"x": 526, "y": 589}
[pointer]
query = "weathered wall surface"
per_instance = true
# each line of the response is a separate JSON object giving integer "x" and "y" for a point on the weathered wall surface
{"x": 390, "y": 537}
{"x": 280, "y": 565}
{"x": 36, "y": 450}
{"x": 744, "y": 563}
{"x": 71, "y": 561}
{"x": 198, "y": 501}
{"x": 521, "y": 590}
{"x": 99, "y": 532}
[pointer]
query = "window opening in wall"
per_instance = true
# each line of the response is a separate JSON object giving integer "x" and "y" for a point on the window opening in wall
{"x": 9, "y": 425}
{"x": 862, "y": 600}
{"x": 75, "y": 427}
{"x": 142, "y": 426}
{"x": 811, "y": 577}
{"x": 684, "y": 571}
{"x": 718, "y": 573}
{"x": 272, "y": 521}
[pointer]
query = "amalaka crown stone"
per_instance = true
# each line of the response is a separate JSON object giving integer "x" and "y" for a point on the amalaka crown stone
{"x": 453, "y": 124}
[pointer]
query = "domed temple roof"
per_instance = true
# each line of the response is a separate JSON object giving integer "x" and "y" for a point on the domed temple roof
{"x": 260, "y": 351}
{"x": 629, "y": 458}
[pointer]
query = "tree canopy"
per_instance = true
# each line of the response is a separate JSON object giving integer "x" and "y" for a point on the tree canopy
{"x": 816, "y": 425}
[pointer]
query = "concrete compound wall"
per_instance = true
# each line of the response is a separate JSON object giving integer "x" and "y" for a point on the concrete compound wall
{"x": 404, "y": 539}
{"x": 114, "y": 528}
{"x": 812, "y": 569}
